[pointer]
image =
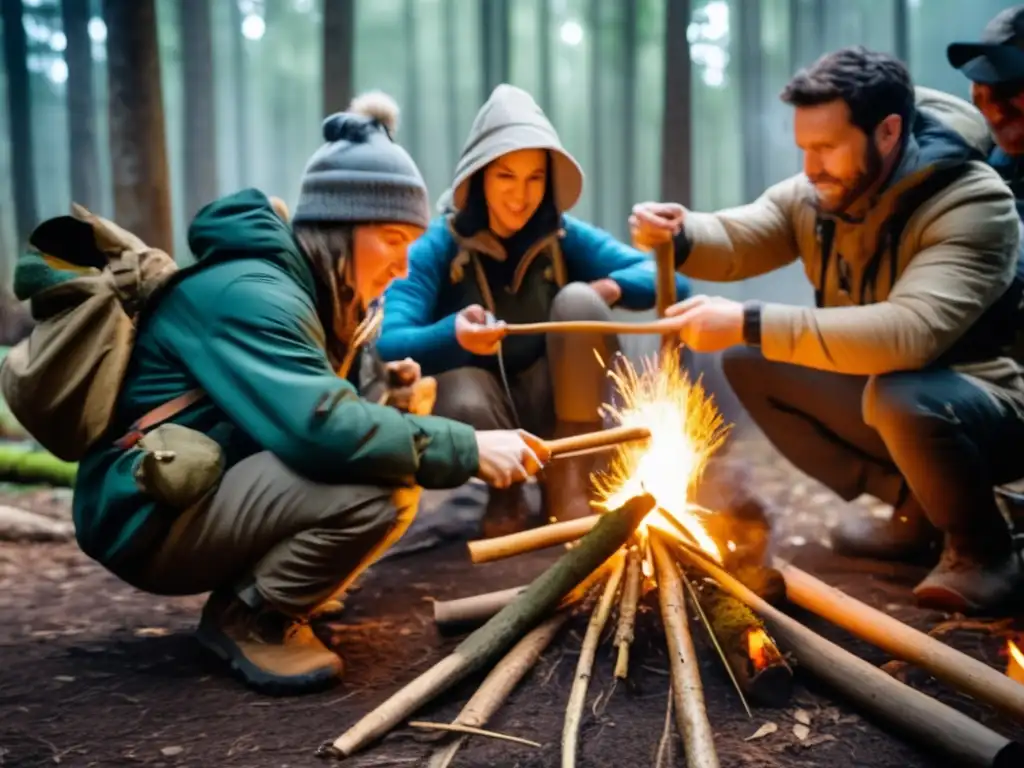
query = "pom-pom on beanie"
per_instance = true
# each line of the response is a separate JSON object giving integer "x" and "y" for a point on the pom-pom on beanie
{"x": 360, "y": 174}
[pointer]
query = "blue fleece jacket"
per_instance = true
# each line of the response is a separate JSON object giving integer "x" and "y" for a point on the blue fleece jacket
{"x": 419, "y": 311}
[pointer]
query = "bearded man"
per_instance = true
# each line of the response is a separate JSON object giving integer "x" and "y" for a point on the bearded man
{"x": 897, "y": 383}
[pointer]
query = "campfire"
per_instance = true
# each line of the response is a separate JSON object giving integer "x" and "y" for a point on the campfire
{"x": 648, "y": 534}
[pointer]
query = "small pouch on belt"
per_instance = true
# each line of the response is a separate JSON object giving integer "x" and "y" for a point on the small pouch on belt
{"x": 179, "y": 465}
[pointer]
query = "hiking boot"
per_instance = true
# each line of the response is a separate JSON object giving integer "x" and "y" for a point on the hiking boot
{"x": 507, "y": 511}
{"x": 906, "y": 535}
{"x": 972, "y": 577}
{"x": 272, "y": 652}
{"x": 566, "y": 482}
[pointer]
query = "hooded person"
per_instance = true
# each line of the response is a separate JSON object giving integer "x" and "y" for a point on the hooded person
{"x": 505, "y": 249}
{"x": 308, "y": 482}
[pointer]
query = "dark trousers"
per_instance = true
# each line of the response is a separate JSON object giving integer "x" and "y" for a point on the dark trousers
{"x": 935, "y": 433}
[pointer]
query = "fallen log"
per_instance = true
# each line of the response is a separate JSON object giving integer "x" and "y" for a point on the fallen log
{"x": 759, "y": 667}
{"x": 21, "y": 465}
{"x": 501, "y": 681}
{"x": 687, "y": 690}
{"x": 23, "y": 525}
{"x": 929, "y": 722}
{"x": 893, "y": 636}
{"x": 551, "y": 535}
{"x": 510, "y": 624}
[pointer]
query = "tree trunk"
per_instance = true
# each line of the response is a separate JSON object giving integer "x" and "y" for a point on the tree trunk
{"x": 19, "y": 111}
{"x": 629, "y": 101}
{"x": 84, "y": 152}
{"x": 240, "y": 81}
{"x": 449, "y": 34}
{"x": 751, "y": 84}
{"x": 597, "y": 132}
{"x": 544, "y": 53}
{"x": 142, "y": 199}
{"x": 339, "y": 53}
{"x": 411, "y": 124}
{"x": 494, "y": 44}
{"x": 676, "y": 130}
{"x": 200, "y": 107}
{"x": 901, "y": 31}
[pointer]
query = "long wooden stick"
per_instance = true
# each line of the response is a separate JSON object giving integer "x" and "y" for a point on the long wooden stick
{"x": 893, "y": 636}
{"x": 585, "y": 665}
{"x": 599, "y": 439}
{"x": 466, "y": 611}
{"x": 470, "y": 610}
{"x": 665, "y": 261}
{"x": 659, "y": 327}
{"x": 928, "y": 721}
{"x": 499, "y": 683}
{"x": 510, "y": 624}
{"x": 500, "y": 547}
{"x": 688, "y": 692}
{"x": 627, "y": 612}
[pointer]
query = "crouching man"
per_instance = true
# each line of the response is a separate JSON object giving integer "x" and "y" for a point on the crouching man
{"x": 896, "y": 384}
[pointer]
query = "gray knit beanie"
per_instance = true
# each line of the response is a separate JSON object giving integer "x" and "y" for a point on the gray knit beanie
{"x": 360, "y": 175}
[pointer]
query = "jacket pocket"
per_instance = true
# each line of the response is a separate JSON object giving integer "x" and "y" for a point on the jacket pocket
{"x": 179, "y": 466}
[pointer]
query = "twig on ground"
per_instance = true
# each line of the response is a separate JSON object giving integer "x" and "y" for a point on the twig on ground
{"x": 585, "y": 665}
{"x": 459, "y": 728}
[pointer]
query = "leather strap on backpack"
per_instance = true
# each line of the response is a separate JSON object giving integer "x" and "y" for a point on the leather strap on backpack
{"x": 157, "y": 416}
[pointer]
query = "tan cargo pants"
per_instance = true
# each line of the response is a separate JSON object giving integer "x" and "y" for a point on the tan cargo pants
{"x": 273, "y": 536}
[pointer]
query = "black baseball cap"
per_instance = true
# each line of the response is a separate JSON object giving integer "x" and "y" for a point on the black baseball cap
{"x": 999, "y": 56}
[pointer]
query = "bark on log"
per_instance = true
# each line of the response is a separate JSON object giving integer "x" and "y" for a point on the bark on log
{"x": 492, "y": 639}
{"x": 961, "y": 740}
{"x": 687, "y": 690}
{"x": 769, "y": 680}
{"x": 945, "y": 663}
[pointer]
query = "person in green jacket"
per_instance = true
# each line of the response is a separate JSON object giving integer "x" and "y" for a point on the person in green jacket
{"x": 317, "y": 481}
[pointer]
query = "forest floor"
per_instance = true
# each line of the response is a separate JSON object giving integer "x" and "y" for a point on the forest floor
{"x": 95, "y": 673}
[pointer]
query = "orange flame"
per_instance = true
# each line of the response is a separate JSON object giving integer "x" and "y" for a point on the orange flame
{"x": 685, "y": 428}
{"x": 1015, "y": 669}
{"x": 759, "y": 648}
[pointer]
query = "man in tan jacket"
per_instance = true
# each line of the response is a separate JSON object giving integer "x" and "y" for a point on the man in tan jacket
{"x": 896, "y": 383}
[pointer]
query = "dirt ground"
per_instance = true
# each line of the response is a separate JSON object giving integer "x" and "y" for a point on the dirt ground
{"x": 95, "y": 673}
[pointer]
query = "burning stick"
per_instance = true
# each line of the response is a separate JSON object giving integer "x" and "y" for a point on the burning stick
{"x": 893, "y": 636}
{"x": 509, "y": 624}
{"x": 927, "y": 720}
{"x": 691, "y": 713}
{"x": 759, "y": 668}
{"x": 497, "y": 686}
{"x": 500, "y": 547}
{"x": 603, "y": 438}
{"x": 627, "y": 612}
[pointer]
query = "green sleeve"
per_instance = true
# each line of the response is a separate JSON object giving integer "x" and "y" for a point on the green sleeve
{"x": 254, "y": 349}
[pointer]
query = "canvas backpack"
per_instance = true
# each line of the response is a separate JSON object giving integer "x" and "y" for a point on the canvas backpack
{"x": 88, "y": 281}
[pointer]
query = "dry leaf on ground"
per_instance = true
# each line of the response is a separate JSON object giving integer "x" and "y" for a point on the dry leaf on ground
{"x": 764, "y": 730}
{"x": 802, "y": 717}
{"x": 801, "y": 731}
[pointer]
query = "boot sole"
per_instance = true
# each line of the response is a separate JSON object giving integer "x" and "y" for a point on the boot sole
{"x": 259, "y": 679}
